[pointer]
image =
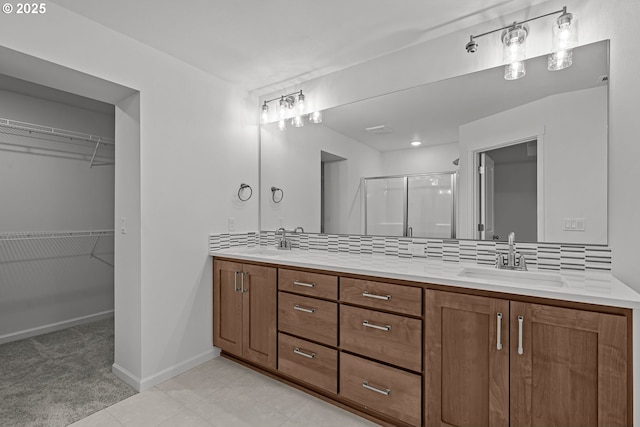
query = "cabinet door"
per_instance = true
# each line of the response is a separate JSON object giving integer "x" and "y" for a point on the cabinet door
{"x": 259, "y": 315}
{"x": 568, "y": 367}
{"x": 227, "y": 307}
{"x": 467, "y": 372}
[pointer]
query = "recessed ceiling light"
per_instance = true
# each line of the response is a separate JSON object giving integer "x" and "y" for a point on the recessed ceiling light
{"x": 416, "y": 143}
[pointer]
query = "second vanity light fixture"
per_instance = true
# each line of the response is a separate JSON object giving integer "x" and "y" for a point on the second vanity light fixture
{"x": 292, "y": 106}
{"x": 565, "y": 37}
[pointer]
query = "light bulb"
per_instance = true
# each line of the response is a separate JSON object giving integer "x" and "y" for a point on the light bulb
{"x": 297, "y": 122}
{"x": 301, "y": 103}
{"x": 282, "y": 124}
{"x": 315, "y": 117}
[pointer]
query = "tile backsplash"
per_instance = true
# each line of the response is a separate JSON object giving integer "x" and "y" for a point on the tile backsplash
{"x": 542, "y": 256}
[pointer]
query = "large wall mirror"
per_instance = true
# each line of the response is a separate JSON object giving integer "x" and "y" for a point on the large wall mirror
{"x": 528, "y": 156}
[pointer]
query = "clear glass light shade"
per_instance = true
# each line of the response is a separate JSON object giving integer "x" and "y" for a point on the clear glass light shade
{"x": 282, "y": 111}
{"x": 315, "y": 117}
{"x": 301, "y": 103}
{"x": 515, "y": 70}
{"x": 560, "y": 60}
{"x": 514, "y": 41}
{"x": 565, "y": 37}
{"x": 264, "y": 115}
{"x": 282, "y": 124}
{"x": 297, "y": 122}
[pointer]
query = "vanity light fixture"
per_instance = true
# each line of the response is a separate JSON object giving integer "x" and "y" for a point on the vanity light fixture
{"x": 514, "y": 36}
{"x": 290, "y": 106}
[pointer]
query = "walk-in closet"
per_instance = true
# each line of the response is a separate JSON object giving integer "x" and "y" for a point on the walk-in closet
{"x": 57, "y": 154}
{"x": 56, "y": 210}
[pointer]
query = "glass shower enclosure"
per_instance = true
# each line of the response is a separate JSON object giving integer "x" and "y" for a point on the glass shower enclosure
{"x": 421, "y": 205}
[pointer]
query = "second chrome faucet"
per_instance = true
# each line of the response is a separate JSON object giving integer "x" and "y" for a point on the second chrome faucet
{"x": 512, "y": 260}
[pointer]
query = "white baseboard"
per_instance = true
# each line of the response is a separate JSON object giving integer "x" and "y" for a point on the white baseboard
{"x": 142, "y": 384}
{"x": 52, "y": 327}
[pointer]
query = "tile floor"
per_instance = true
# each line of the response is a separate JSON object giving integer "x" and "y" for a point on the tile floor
{"x": 222, "y": 393}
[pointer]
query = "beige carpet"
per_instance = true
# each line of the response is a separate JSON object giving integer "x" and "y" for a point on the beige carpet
{"x": 58, "y": 378}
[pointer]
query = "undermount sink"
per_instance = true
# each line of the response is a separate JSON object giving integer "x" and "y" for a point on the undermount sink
{"x": 514, "y": 277}
{"x": 264, "y": 251}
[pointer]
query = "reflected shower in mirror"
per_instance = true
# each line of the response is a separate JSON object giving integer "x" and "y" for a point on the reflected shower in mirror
{"x": 455, "y": 120}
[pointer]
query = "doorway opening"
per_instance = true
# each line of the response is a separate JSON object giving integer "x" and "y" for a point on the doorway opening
{"x": 332, "y": 180}
{"x": 509, "y": 195}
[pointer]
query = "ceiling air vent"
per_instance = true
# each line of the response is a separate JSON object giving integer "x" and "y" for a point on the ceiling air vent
{"x": 379, "y": 130}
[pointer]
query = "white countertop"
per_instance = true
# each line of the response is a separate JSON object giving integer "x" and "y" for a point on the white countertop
{"x": 579, "y": 286}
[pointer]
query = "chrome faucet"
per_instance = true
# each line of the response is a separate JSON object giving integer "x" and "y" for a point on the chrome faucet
{"x": 298, "y": 228}
{"x": 512, "y": 260}
{"x": 284, "y": 243}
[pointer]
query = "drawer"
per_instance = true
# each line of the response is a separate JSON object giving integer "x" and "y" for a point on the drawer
{"x": 386, "y": 296}
{"x": 381, "y": 388}
{"x": 390, "y": 338}
{"x": 310, "y": 318}
{"x": 312, "y": 363}
{"x": 310, "y": 284}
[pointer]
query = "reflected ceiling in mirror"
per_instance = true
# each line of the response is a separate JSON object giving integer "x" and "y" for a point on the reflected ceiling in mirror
{"x": 372, "y": 138}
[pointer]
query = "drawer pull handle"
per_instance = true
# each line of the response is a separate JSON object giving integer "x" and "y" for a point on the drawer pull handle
{"x": 520, "y": 321}
{"x": 302, "y": 353}
{"x": 306, "y": 310}
{"x": 368, "y": 295}
{"x": 386, "y": 328}
{"x": 385, "y": 392}
{"x": 499, "y": 333}
{"x": 306, "y": 285}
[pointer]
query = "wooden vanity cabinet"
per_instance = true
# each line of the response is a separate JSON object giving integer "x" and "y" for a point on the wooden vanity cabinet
{"x": 495, "y": 362}
{"x": 245, "y": 307}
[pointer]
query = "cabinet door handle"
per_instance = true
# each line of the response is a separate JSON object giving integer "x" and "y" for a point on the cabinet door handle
{"x": 306, "y": 310}
{"x": 520, "y": 321}
{"x": 499, "y": 333}
{"x": 385, "y": 392}
{"x": 235, "y": 281}
{"x": 242, "y": 282}
{"x": 306, "y": 285}
{"x": 386, "y": 328}
{"x": 368, "y": 295}
{"x": 302, "y": 353}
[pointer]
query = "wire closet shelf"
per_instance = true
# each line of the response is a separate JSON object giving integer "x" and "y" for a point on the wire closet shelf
{"x": 43, "y": 245}
{"x": 42, "y": 140}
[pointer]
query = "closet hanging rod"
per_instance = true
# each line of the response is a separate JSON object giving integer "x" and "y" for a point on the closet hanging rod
{"x": 47, "y": 130}
{"x": 51, "y": 152}
{"x": 43, "y": 235}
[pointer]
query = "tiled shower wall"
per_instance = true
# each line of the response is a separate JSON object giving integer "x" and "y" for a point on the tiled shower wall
{"x": 542, "y": 256}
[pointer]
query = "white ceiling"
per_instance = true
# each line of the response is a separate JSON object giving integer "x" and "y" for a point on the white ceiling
{"x": 261, "y": 45}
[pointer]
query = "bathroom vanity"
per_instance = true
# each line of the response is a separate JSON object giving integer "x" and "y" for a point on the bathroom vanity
{"x": 424, "y": 343}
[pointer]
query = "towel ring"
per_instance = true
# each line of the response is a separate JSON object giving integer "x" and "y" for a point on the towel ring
{"x": 244, "y": 186}
{"x": 274, "y": 191}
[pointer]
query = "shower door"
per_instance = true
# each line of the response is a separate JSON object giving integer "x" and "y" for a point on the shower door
{"x": 385, "y": 210}
{"x": 430, "y": 201}
{"x": 410, "y": 205}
